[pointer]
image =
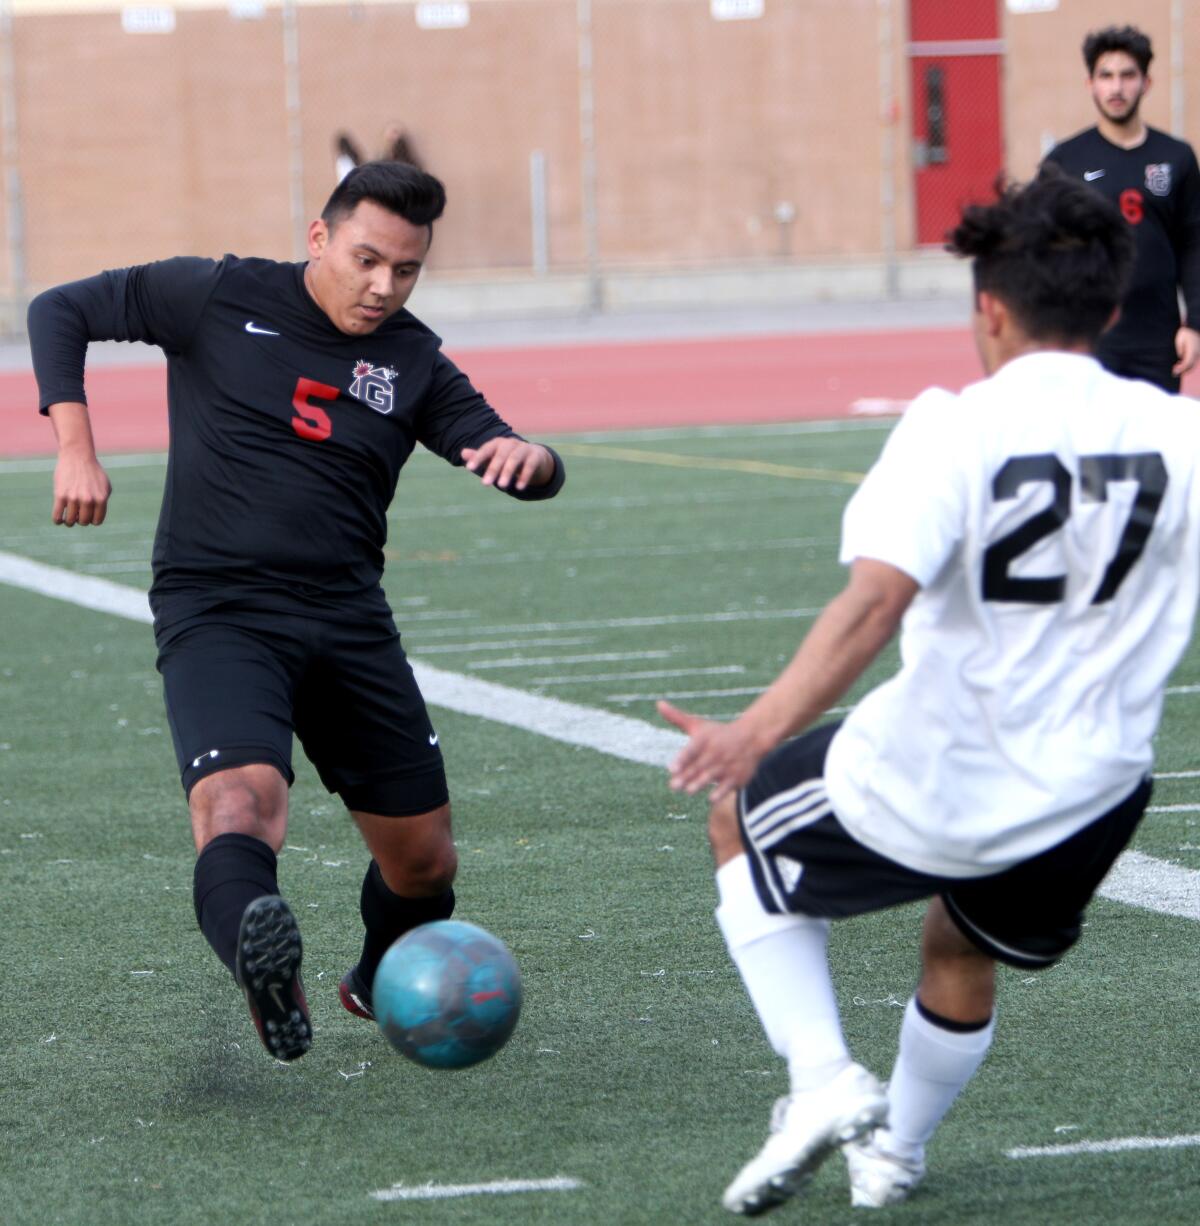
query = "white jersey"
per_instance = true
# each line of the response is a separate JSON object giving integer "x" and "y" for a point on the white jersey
{"x": 1051, "y": 515}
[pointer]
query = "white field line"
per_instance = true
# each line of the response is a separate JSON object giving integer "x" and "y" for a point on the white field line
{"x": 616, "y": 735}
{"x": 1182, "y": 689}
{"x": 1177, "y": 775}
{"x": 442, "y": 615}
{"x": 1173, "y": 808}
{"x": 90, "y": 593}
{"x": 1116, "y": 1146}
{"x": 594, "y": 657}
{"x": 741, "y": 692}
{"x": 1154, "y": 885}
{"x": 643, "y": 551}
{"x": 644, "y": 674}
{"x": 766, "y": 430}
{"x": 878, "y": 406}
{"x": 498, "y": 1187}
{"x": 1136, "y": 879}
{"x": 45, "y": 464}
{"x": 638, "y": 623}
{"x": 508, "y": 645}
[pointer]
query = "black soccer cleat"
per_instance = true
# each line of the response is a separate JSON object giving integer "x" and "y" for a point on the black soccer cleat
{"x": 268, "y": 971}
{"x": 355, "y": 997}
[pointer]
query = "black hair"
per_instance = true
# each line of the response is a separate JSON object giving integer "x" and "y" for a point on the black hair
{"x": 399, "y": 187}
{"x": 1117, "y": 38}
{"x": 1054, "y": 251}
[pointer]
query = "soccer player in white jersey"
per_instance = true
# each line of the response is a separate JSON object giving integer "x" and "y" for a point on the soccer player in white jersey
{"x": 1036, "y": 541}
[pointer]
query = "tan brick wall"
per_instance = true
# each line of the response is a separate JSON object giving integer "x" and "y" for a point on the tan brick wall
{"x": 136, "y": 146}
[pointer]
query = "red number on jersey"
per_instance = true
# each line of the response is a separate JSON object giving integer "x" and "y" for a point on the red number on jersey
{"x": 1132, "y": 207}
{"x": 311, "y": 422}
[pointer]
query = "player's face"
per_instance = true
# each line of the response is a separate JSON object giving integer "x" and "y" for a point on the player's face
{"x": 365, "y": 267}
{"x": 1117, "y": 86}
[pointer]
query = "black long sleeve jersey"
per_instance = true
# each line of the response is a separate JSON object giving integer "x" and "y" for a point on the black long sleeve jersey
{"x": 287, "y": 435}
{"x": 1157, "y": 188}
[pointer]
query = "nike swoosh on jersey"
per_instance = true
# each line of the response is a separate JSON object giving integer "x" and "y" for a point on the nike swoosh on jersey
{"x": 1089, "y": 175}
{"x": 251, "y": 326}
{"x": 433, "y": 738}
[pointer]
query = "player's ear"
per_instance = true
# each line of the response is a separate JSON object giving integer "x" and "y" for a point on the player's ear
{"x": 993, "y": 311}
{"x": 318, "y": 236}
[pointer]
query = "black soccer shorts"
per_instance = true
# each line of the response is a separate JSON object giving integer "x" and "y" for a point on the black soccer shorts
{"x": 237, "y": 684}
{"x": 805, "y": 861}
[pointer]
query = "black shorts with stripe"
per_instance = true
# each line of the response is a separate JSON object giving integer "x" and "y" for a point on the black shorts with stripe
{"x": 805, "y": 861}
{"x": 238, "y": 683}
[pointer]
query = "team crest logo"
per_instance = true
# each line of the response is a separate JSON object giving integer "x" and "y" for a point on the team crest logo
{"x": 373, "y": 386}
{"x": 1158, "y": 178}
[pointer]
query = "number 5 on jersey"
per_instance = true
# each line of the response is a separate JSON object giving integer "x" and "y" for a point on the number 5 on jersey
{"x": 312, "y": 422}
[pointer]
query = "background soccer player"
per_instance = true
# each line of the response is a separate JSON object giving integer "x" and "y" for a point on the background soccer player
{"x": 1153, "y": 179}
{"x": 296, "y": 394}
{"x": 1037, "y": 540}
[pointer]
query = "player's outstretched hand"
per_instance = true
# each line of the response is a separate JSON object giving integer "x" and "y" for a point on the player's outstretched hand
{"x": 720, "y": 756}
{"x": 506, "y": 461}
{"x": 1187, "y": 348}
{"x": 81, "y": 490}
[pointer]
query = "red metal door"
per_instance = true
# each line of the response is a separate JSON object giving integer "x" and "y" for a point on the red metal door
{"x": 955, "y": 55}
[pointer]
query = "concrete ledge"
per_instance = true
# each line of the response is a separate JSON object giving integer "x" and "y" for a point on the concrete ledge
{"x": 447, "y": 298}
{"x": 453, "y": 296}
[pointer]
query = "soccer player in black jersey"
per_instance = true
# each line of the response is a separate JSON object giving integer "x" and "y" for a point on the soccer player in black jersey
{"x": 1154, "y": 180}
{"x": 296, "y": 393}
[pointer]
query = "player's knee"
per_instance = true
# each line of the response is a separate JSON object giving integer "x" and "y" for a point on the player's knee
{"x": 241, "y": 801}
{"x": 437, "y": 868}
{"x": 723, "y": 834}
{"x": 419, "y": 867}
{"x": 943, "y": 943}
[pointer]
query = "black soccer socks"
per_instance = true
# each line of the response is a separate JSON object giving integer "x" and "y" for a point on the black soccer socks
{"x": 388, "y": 916}
{"x": 231, "y": 872}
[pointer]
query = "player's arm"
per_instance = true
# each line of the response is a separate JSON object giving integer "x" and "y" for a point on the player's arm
{"x": 61, "y": 322}
{"x": 154, "y": 303}
{"x": 903, "y": 524}
{"x": 1187, "y": 338}
{"x": 459, "y": 425}
{"x": 513, "y": 462}
{"x": 81, "y": 486}
{"x": 847, "y": 636}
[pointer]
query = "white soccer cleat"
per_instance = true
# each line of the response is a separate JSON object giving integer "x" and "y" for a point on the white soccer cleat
{"x": 806, "y": 1127}
{"x": 879, "y": 1177}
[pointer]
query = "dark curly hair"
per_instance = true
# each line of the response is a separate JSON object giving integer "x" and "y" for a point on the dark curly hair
{"x": 1055, "y": 252}
{"x": 1117, "y": 38}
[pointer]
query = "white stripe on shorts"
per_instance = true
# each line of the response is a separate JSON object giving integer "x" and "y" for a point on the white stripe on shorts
{"x": 763, "y": 820}
{"x": 769, "y": 823}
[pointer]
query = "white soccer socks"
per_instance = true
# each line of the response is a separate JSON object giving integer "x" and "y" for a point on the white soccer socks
{"x": 932, "y": 1067}
{"x": 783, "y": 964}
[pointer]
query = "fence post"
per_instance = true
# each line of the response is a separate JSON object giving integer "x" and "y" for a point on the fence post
{"x": 14, "y": 209}
{"x": 888, "y": 115}
{"x": 537, "y": 212}
{"x": 295, "y": 130}
{"x": 1178, "y": 70}
{"x": 587, "y": 144}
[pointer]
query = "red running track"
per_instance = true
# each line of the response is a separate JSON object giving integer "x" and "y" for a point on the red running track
{"x": 599, "y": 386}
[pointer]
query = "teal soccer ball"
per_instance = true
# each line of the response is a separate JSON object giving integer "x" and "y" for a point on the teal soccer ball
{"x": 448, "y": 994}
